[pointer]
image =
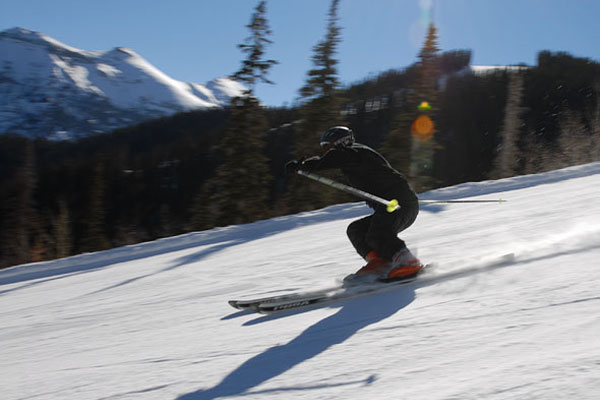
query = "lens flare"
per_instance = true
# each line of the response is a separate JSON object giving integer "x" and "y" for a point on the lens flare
{"x": 422, "y": 128}
{"x": 424, "y": 106}
{"x": 418, "y": 29}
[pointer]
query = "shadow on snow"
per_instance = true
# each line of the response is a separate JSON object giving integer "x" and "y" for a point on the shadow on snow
{"x": 353, "y": 316}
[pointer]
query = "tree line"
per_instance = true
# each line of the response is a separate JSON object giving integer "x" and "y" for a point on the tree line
{"x": 434, "y": 120}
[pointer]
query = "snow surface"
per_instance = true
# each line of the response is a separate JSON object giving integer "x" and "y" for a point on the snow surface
{"x": 151, "y": 321}
{"x": 489, "y": 69}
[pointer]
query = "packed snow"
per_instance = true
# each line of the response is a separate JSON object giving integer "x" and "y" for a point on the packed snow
{"x": 509, "y": 310}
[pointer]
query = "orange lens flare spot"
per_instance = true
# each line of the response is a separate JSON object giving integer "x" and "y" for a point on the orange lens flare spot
{"x": 422, "y": 128}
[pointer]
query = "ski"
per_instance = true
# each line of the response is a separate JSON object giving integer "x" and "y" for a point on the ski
{"x": 327, "y": 296}
{"x": 297, "y": 300}
{"x": 251, "y": 303}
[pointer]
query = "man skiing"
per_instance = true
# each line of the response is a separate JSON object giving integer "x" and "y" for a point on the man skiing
{"x": 374, "y": 237}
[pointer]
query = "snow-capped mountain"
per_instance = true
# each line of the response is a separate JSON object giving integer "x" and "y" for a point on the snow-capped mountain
{"x": 49, "y": 89}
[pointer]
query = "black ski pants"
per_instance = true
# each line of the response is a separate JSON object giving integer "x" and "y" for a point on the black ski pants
{"x": 379, "y": 231}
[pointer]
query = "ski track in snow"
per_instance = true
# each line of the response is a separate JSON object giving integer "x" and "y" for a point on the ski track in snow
{"x": 509, "y": 310}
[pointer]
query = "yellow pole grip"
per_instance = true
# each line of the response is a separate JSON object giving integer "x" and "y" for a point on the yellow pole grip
{"x": 392, "y": 206}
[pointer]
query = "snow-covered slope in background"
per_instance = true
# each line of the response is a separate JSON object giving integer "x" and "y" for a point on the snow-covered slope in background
{"x": 53, "y": 90}
{"x": 151, "y": 321}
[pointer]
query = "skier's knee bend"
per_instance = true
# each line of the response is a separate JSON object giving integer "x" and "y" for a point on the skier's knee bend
{"x": 355, "y": 232}
{"x": 353, "y": 228}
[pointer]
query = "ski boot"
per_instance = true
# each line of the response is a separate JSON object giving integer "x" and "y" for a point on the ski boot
{"x": 404, "y": 265}
{"x": 376, "y": 268}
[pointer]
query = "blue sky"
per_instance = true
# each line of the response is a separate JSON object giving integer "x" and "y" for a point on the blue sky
{"x": 195, "y": 40}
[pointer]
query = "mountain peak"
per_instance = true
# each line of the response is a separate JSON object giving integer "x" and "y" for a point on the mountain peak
{"x": 19, "y": 31}
{"x": 54, "y": 90}
{"x": 26, "y": 35}
{"x": 23, "y": 34}
{"x": 125, "y": 50}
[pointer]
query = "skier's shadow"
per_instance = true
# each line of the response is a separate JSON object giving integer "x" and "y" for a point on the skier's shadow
{"x": 353, "y": 316}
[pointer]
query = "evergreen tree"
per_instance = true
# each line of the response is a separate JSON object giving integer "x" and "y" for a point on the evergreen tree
{"x": 429, "y": 68}
{"x": 254, "y": 68}
{"x": 238, "y": 192}
{"x": 62, "y": 231}
{"x": 410, "y": 144}
{"x": 20, "y": 220}
{"x": 397, "y": 145}
{"x": 595, "y": 122}
{"x": 508, "y": 156}
{"x": 95, "y": 238}
{"x": 320, "y": 110}
{"x": 423, "y": 127}
{"x": 322, "y": 80}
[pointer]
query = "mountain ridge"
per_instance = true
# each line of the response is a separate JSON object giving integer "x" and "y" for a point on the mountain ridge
{"x": 52, "y": 90}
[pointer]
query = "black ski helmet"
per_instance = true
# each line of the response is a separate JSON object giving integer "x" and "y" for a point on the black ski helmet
{"x": 337, "y": 136}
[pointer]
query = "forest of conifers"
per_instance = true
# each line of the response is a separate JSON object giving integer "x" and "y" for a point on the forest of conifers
{"x": 153, "y": 180}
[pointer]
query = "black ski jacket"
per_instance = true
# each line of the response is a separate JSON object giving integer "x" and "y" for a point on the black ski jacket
{"x": 367, "y": 170}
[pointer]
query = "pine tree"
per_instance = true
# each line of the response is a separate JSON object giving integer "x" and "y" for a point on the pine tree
{"x": 322, "y": 80}
{"x": 62, "y": 231}
{"x": 575, "y": 144}
{"x": 410, "y": 144}
{"x": 239, "y": 190}
{"x": 320, "y": 110}
{"x": 397, "y": 145}
{"x": 595, "y": 122}
{"x": 507, "y": 159}
{"x": 429, "y": 69}
{"x": 254, "y": 68}
{"x": 20, "y": 220}
{"x": 95, "y": 238}
{"x": 320, "y": 93}
{"x": 238, "y": 193}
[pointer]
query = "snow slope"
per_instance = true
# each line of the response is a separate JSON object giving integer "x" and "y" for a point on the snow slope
{"x": 50, "y": 89}
{"x": 151, "y": 321}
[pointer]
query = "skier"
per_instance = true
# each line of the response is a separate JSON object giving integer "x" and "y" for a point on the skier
{"x": 374, "y": 237}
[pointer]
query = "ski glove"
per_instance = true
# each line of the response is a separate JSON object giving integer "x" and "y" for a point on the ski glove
{"x": 291, "y": 167}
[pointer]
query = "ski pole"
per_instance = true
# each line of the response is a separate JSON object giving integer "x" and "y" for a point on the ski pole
{"x": 391, "y": 205}
{"x": 461, "y": 201}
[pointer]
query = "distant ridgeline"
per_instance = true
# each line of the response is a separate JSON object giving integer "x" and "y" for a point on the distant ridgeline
{"x": 51, "y": 90}
{"x": 145, "y": 181}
